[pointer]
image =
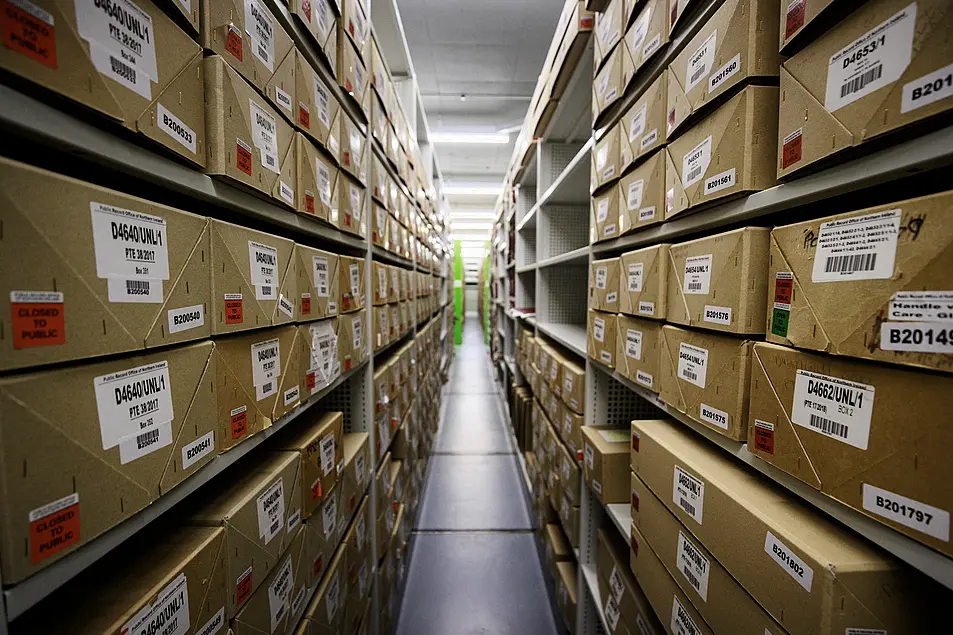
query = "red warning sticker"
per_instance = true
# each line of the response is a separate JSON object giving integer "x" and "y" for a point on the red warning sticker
{"x": 54, "y": 527}
{"x": 794, "y": 18}
{"x": 233, "y": 308}
{"x": 304, "y": 116}
{"x": 38, "y": 318}
{"x": 309, "y": 202}
{"x": 233, "y": 41}
{"x": 243, "y": 157}
{"x": 239, "y": 422}
{"x": 305, "y": 304}
{"x": 764, "y": 436}
{"x": 791, "y": 149}
{"x": 243, "y": 587}
{"x": 29, "y": 30}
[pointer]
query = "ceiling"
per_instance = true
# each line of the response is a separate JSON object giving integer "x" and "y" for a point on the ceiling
{"x": 491, "y": 52}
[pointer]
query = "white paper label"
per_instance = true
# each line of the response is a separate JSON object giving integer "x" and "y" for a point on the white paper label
{"x": 129, "y": 244}
{"x": 928, "y": 89}
{"x": 635, "y": 277}
{"x": 650, "y": 137}
{"x": 139, "y": 445}
{"x": 279, "y": 593}
{"x": 641, "y": 29}
{"x": 322, "y": 175}
{"x": 133, "y": 290}
{"x": 55, "y": 506}
{"x": 602, "y": 273}
{"x": 329, "y": 516}
{"x": 872, "y": 61}
{"x": 682, "y": 623}
{"x": 633, "y": 198}
{"x": 724, "y": 73}
{"x": 260, "y": 26}
{"x": 286, "y": 192}
{"x": 121, "y": 42}
{"x": 637, "y": 123}
{"x": 789, "y": 561}
{"x": 720, "y": 182}
{"x": 171, "y": 610}
{"x": 693, "y": 565}
{"x": 699, "y": 62}
{"x": 327, "y": 454}
{"x": 214, "y": 625}
{"x": 264, "y": 135}
{"x": 263, "y": 264}
{"x": 286, "y": 306}
{"x": 132, "y": 401}
{"x": 921, "y": 306}
{"x": 175, "y": 128}
{"x": 857, "y": 631}
{"x": 186, "y": 318}
{"x": 689, "y": 494}
{"x": 697, "y": 275}
{"x": 695, "y": 163}
{"x": 320, "y": 266}
{"x": 692, "y": 364}
{"x": 924, "y": 518}
{"x": 265, "y": 361}
{"x": 322, "y": 101}
{"x": 713, "y": 416}
{"x": 283, "y": 99}
{"x": 271, "y": 511}
{"x": 647, "y": 308}
{"x": 602, "y": 210}
{"x": 857, "y": 248}
{"x": 837, "y": 408}
{"x": 198, "y": 449}
{"x": 291, "y": 395}
{"x": 298, "y": 604}
{"x": 612, "y": 613}
{"x": 643, "y": 378}
{"x": 718, "y": 314}
{"x": 355, "y": 274}
{"x": 917, "y": 337}
{"x": 599, "y": 329}
{"x": 633, "y": 343}
{"x": 651, "y": 46}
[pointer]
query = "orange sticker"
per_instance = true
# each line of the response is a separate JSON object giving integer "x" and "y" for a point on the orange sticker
{"x": 317, "y": 490}
{"x": 38, "y": 318}
{"x": 233, "y": 308}
{"x": 304, "y": 116}
{"x": 243, "y": 157}
{"x": 310, "y": 381}
{"x": 309, "y": 202}
{"x": 318, "y": 565}
{"x": 305, "y": 304}
{"x": 306, "y": 9}
{"x": 243, "y": 587}
{"x": 794, "y": 18}
{"x": 233, "y": 42}
{"x": 791, "y": 149}
{"x": 54, "y": 527}
{"x": 28, "y": 30}
{"x": 239, "y": 422}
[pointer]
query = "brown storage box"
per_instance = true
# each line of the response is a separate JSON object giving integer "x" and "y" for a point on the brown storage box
{"x": 601, "y": 337}
{"x": 317, "y": 181}
{"x": 579, "y": 22}
{"x": 177, "y": 575}
{"x": 280, "y": 601}
{"x": 795, "y": 16}
{"x": 569, "y": 518}
{"x": 644, "y": 282}
{"x": 610, "y": 83}
{"x": 352, "y": 343}
{"x": 623, "y": 602}
{"x": 756, "y": 530}
{"x": 555, "y": 546}
{"x": 609, "y": 28}
{"x": 356, "y": 471}
{"x": 898, "y": 306}
{"x": 606, "y": 463}
{"x": 322, "y": 534}
{"x": 736, "y": 46}
{"x": 642, "y": 195}
{"x": 381, "y": 283}
{"x": 706, "y": 376}
{"x": 873, "y": 437}
{"x": 259, "y": 378}
{"x": 131, "y": 276}
{"x": 155, "y": 91}
{"x": 320, "y": 20}
{"x": 76, "y": 465}
{"x": 640, "y": 351}
{"x": 355, "y": 25}
{"x": 248, "y": 267}
{"x": 318, "y": 440}
{"x": 606, "y": 160}
{"x": 318, "y": 343}
{"x": 566, "y": 582}
{"x": 730, "y": 151}
{"x": 256, "y": 510}
{"x": 643, "y": 125}
{"x": 351, "y": 283}
{"x": 248, "y": 141}
{"x": 718, "y": 282}
{"x": 317, "y": 112}
{"x": 573, "y": 386}
{"x": 379, "y": 223}
{"x": 354, "y": 149}
{"x": 352, "y": 75}
{"x": 380, "y": 329}
{"x": 604, "y": 285}
{"x": 570, "y": 430}
{"x": 605, "y": 215}
{"x": 250, "y": 40}
{"x": 317, "y": 283}
{"x": 325, "y": 611}
{"x": 860, "y": 97}
{"x": 347, "y": 206}
{"x": 722, "y": 601}
{"x": 647, "y": 34}
{"x": 569, "y": 472}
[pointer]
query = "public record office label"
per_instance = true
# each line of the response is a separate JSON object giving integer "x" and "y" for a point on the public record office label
{"x": 693, "y": 364}
{"x": 837, "y": 408}
{"x": 168, "y": 615}
{"x": 689, "y": 494}
{"x": 132, "y": 401}
{"x": 857, "y": 248}
{"x": 129, "y": 244}
{"x": 693, "y": 565}
{"x": 271, "y": 511}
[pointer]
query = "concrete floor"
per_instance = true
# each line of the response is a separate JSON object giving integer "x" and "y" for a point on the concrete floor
{"x": 475, "y": 568}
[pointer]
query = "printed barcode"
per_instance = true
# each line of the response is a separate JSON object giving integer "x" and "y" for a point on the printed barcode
{"x": 266, "y": 387}
{"x": 323, "y": 290}
{"x": 269, "y": 159}
{"x": 851, "y": 263}
{"x": 698, "y": 73}
{"x": 146, "y": 439}
{"x": 122, "y": 69}
{"x": 829, "y": 427}
{"x": 266, "y": 290}
{"x": 137, "y": 287}
{"x": 691, "y": 578}
{"x": 274, "y": 526}
{"x": 694, "y": 174}
{"x": 694, "y": 286}
{"x": 688, "y": 507}
{"x": 690, "y": 375}
{"x": 262, "y": 52}
{"x": 281, "y": 612}
{"x": 856, "y": 84}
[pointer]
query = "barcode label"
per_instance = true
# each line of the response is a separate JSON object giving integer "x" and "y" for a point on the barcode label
{"x": 134, "y": 291}
{"x": 857, "y": 248}
{"x": 689, "y": 494}
{"x": 695, "y": 163}
{"x": 688, "y": 507}
{"x": 693, "y": 364}
{"x": 859, "y": 82}
{"x": 834, "y": 407}
{"x": 828, "y": 427}
{"x": 850, "y": 264}
{"x": 700, "y": 61}
{"x": 139, "y": 445}
{"x": 682, "y": 623}
{"x": 697, "y": 275}
{"x": 122, "y": 69}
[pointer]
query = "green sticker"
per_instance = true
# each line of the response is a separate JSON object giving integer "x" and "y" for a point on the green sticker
{"x": 779, "y": 322}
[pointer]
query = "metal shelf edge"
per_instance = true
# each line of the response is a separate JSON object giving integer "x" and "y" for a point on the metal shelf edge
{"x": 582, "y": 254}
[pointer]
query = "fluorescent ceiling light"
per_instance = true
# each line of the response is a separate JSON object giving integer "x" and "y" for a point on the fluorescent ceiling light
{"x": 475, "y": 189}
{"x": 463, "y": 226}
{"x": 469, "y": 137}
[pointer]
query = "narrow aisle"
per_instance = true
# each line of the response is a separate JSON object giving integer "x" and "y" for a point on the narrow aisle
{"x": 475, "y": 568}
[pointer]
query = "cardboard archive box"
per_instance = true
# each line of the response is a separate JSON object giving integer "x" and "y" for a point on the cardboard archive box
{"x": 317, "y": 181}
{"x": 643, "y": 124}
{"x": 566, "y": 579}
{"x": 722, "y": 602}
{"x": 322, "y": 535}
{"x": 640, "y": 351}
{"x": 174, "y": 578}
{"x": 119, "y": 434}
{"x": 570, "y": 430}
{"x": 736, "y": 46}
{"x": 152, "y": 86}
{"x": 379, "y": 224}
{"x": 642, "y": 195}
{"x": 356, "y": 472}
{"x": 729, "y": 151}
{"x": 796, "y": 16}
{"x": 887, "y": 66}
{"x": 319, "y": 348}
{"x": 256, "y": 511}
{"x": 347, "y": 205}
{"x": 624, "y": 604}
{"x": 356, "y": 26}
{"x": 578, "y": 22}
{"x": 259, "y": 378}
{"x": 381, "y": 283}
{"x": 320, "y": 19}
{"x": 250, "y": 40}
{"x": 248, "y": 141}
{"x": 351, "y": 339}
{"x": 606, "y": 465}
{"x": 610, "y": 83}
{"x": 318, "y": 440}
{"x": 573, "y": 386}
{"x": 809, "y": 573}
{"x": 351, "y": 283}
{"x": 316, "y": 283}
{"x": 317, "y": 111}
{"x": 604, "y": 285}
{"x": 355, "y": 152}
{"x": 108, "y": 273}
{"x": 718, "y": 282}
{"x": 569, "y": 473}
{"x": 897, "y": 284}
{"x": 605, "y": 166}
{"x": 555, "y": 546}
{"x": 608, "y": 30}
{"x": 707, "y": 376}
{"x": 601, "y": 337}
{"x": 352, "y": 74}
{"x": 871, "y": 436}
{"x": 605, "y": 216}
{"x": 248, "y": 268}
{"x": 644, "y": 282}
{"x": 325, "y": 611}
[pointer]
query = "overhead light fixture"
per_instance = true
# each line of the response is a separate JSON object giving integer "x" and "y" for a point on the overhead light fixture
{"x": 473, "y": 189}
{"x": 470, "y": 137}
